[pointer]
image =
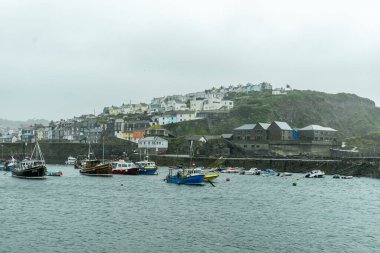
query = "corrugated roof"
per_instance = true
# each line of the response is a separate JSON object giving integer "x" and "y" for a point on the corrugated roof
{"x": 317, "y": 128}
{"x": 246, "y": 127}
{"x": 283, "y": 125}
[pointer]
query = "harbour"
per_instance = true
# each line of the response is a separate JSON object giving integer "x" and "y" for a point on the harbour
{"x": 76, "y": 213}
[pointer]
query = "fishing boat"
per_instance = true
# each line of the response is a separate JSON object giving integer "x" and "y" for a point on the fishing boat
{"x": 147, "y": 167}
{"x": 33, "y": 167}
{"x": 94, "y": 167}
{"x": 125, "y": 168}
{"x": 184, "y": 176}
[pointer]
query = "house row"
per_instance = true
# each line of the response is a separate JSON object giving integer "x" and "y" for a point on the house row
{"x": 278, "y": 138}
{"x": 281, "y": 131}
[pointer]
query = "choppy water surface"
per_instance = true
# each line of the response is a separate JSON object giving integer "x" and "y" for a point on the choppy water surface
{"x": 75, "y": 213}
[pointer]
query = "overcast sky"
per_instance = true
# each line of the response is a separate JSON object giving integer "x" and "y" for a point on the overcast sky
{"x": 60, "y": 59}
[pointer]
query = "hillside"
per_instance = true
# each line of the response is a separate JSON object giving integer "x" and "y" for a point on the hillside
{"x": 350, "y": 114}
{"x": 4, "y": 123}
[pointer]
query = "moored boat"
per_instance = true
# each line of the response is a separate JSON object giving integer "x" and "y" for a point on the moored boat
{"x": 184, "y": 176}
{"x": 10, "y": 164}
{"x": 33, "y": 167}
{"x": 209, "y": 175}
{"x": 93, "y": 167}
{"x": 54, "y": 173}
{"x": 70, "y": 160}
{"x": 315, "y": 174}
{"x": 231, "y": 170}
{"x": 252, "y": 171}
{"x": 147, "y": 167}
{"x": 125, "y": 168}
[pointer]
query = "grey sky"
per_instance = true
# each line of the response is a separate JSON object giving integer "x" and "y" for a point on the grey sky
{"x": 64, "y": 58}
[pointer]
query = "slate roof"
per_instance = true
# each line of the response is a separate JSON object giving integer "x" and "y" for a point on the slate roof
{"x": 246, "y": 127}
{"x": 264, "y": 125}
{"x": 283, "y": 125}
{"x": 317, "y": 128}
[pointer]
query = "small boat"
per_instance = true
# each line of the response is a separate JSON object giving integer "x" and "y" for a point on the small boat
{"x": 147, "y": 167}
{"x": 253, "y": 171}
{"x": 70, "y": 160}
{"x": 33, "y": 167}
{"x": 336, "y": 176}
{"x": 209, "y": 175}
{"x": 268, "y": 172}
{"x": 125, "y": 168}
{"x": 315, "y": 174}
{"x": 55, "y": 173}
{"x": 9, "y": 165}
{"x": 231, "y": 170}
{"x": 184, "y": 176}
{"x": 347, "y": 177}
{"x": 286, "y": 174}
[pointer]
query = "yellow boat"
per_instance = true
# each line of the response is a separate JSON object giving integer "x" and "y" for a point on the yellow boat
{"x": 211, "y": 176}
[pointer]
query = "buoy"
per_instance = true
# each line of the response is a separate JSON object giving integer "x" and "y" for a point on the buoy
{"x": 294, "y": 184}
{"x": 228, "y": 179}
{"x": 121, "y": 185}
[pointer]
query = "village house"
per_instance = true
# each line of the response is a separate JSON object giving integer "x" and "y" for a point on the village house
{"x": 157, "y": 130}
{"x": 153, "y": 144}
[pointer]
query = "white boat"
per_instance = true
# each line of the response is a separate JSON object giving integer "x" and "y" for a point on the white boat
{"x": 231, "y": 170}
{"x": 70, "y": 160}
{"x": 315, "y": 174}
{"x": 346, "y": 177}
{"x": 253, "y": 171}
{"x": 125, "y": 167}
{"x": 286, "y": 174}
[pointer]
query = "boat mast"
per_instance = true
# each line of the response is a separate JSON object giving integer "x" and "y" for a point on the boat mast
{"x": 103, "y": 149}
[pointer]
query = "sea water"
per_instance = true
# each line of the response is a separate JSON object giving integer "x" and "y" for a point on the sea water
{"x": 77, "y": 213}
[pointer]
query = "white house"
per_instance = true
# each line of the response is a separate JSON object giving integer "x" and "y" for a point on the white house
{"x": 154, "y": 143}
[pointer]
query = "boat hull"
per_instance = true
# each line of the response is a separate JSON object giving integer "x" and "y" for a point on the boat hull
{"x": 99, "y": 170}
{"x": 36, "y": 172}
{"x": 189, "y": 180}
{"x": 132, "y": 171}
{"x": 148, "y": 171}
{"x": 211, "y": 177}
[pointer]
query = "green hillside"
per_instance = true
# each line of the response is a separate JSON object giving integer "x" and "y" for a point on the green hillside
{"x": 350, "y": 114}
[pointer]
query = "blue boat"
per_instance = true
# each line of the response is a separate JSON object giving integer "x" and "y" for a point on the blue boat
{"x": 184, "y": 176}
{"x": 147, "y": 167}
{"x": 9, "y": 165}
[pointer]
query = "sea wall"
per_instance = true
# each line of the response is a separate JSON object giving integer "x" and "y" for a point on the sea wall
{"x": 349, "y": 167}
{"x": 58, "y": 152}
